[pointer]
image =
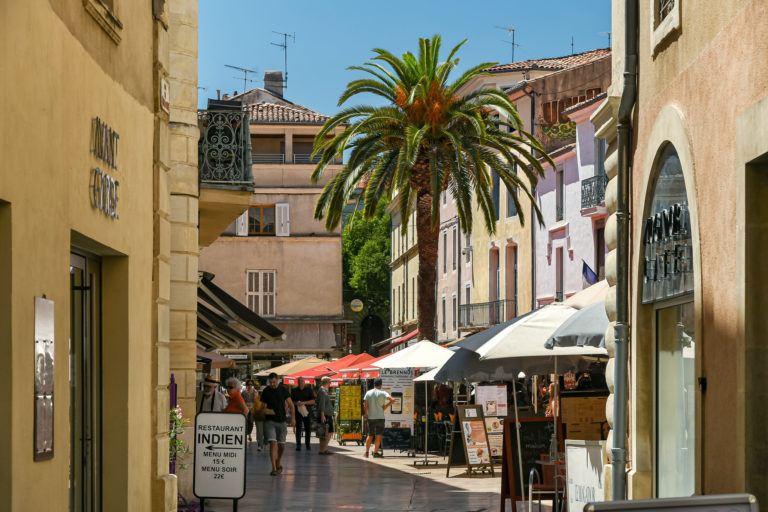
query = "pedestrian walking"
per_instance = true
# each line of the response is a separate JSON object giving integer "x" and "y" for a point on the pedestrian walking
{"x": 325, "y": 411}
{"x": 276, "y": 397}
{"x": 210, "y": 399}
{"x": 249, "y": 396}
{"x": 236, "y": 401}
{"x": 259, "y": 416}
{"x": 376, "y": 401}
{"x": 303, "y": 401}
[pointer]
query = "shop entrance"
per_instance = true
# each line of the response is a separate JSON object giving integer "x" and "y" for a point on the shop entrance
{"x": 85, "y": 383}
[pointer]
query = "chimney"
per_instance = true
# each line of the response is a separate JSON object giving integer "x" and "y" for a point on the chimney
{"x": 273, "y": 82}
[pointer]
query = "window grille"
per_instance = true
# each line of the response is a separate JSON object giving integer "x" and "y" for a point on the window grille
{"x": 665, "y": 7}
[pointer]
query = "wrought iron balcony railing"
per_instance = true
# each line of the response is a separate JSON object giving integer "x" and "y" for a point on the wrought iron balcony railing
{"x": 268, "y": 158}
{"x": 486, "y": 314}
{"x": 593, "y": 191}
{"x": 224, "y": 148}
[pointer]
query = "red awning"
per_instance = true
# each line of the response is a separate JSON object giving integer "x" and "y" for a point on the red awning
{"x": 362, "y": 370}
{"x": 387, "y": 349}
{"x": 321, "y": 370}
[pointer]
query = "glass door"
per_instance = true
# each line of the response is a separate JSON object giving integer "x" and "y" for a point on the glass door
{"x": 675, "y": 401}
{"x": 85, "y": 384}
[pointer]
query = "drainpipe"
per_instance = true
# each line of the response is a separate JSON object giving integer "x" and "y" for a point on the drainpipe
{"x": 533, "y": 210}
{"x": 621, "y": 329}
{"x": 458, "y": 284}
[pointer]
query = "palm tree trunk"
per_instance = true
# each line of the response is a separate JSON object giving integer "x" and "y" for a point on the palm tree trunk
{"x": 428, "y": 240}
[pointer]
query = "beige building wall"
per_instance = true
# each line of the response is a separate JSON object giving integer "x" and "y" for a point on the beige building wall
{"x": 693, "y": 84}
{"x": 404, "y": 273}
{"x": 59, "y": 70}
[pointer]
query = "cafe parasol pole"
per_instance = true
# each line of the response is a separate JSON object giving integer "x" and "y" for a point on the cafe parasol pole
{"x": 519, "y": 448}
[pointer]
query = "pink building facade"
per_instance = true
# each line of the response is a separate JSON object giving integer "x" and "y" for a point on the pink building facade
{"x": 570, "y": 246}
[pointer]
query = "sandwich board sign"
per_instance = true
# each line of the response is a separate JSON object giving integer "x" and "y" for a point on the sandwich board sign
{"x": 219, "y": 455}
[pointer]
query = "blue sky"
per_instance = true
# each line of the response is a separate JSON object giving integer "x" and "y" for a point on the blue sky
{"x": 334, "y": 34}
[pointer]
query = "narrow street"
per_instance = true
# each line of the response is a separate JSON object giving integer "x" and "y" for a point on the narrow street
{"x": 348, "y": 481}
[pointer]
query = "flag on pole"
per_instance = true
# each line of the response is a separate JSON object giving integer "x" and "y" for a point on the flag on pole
{"x": 588, "y": 276}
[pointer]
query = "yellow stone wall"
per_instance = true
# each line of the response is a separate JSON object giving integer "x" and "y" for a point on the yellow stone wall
{"x": 60, "y": 69}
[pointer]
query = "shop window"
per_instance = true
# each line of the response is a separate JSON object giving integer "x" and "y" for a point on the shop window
{"x": 261, "y": 220}
{"x": 675, "y": 401}
{"x": 667, "y": 246}
{"x": 261, "y": 292}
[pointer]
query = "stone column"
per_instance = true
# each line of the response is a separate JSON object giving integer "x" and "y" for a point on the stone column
{"x": 183, "y": 189}
{"x": 164, "y": 485}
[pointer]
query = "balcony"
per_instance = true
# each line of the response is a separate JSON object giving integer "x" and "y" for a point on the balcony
{"x": 593, "y": 191}
{"x": 224, "y": 167}
{"x": 486, "y": 314}
{"x": 296, "y": 159}
{"x": 268, "y": 158}
{"x": 224, "y": 148}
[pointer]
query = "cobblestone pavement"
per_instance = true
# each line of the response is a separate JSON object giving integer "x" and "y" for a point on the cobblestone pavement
{"x": 346, "y": 481}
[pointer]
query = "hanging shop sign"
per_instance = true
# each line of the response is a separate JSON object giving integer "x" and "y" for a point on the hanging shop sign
{"x": 356, "y": 305}
{"x": 668, "y": 254}
{"x": 219, "y": 455}
{"x": 103, "y": 186}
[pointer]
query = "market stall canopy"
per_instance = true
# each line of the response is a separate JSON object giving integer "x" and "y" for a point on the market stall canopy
{"x": 293, "y": 366}
{"x": 423, "y": 354}
{"x": 588, "y": 295}
{"x": 395, "y": 342}
{"x": 321, "y": 370}
{"x": 585, "y": 328}
{"x": 215, "y": 359}
{"x": 224, "y": 322}
{"x": 361, "y": 370}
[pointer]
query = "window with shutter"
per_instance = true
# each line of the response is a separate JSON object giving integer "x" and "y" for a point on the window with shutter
{"x": 261, "y": 220}
{"x": 261, "y": 292}
{"x": 241, "y": 225}
{"x": 283, "y": 221}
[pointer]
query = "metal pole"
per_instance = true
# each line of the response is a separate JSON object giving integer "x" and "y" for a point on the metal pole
{"x": 426, "y": 422}
{"x": 519, "y": 448}
{"x": 621, "y": 328}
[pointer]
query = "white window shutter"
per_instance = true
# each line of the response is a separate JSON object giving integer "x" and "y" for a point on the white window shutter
{"x": 241, "y": 224}
{"x": 283, "y": 220}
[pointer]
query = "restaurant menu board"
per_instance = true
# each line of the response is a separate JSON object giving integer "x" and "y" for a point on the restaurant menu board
{"x": 495, "y": 431}
{"x": 535, "y": 438}
{"x": 349, "y": 403}
{"x": 398, "y": 382}
{"x": 493, "y": 400}
{"x": 471, "y": 427}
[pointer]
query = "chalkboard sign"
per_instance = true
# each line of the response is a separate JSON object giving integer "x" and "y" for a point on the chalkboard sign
{"x": 535, "y": 436}
{"x": 456, "y": 455}
{"x": 396, "y": 438}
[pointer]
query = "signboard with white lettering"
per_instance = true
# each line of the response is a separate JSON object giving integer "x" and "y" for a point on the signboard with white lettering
{"x": 584, "y": 467}
{"x": 219, "y": 455}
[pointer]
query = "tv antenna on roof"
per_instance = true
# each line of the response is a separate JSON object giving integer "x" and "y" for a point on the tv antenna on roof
{"x": 511, "y": 32}
{"x": 245, "y": 74}
{"x": 284, "y": 46}
{"x": 609, "y": 37}
{"x": 571, "y": 45}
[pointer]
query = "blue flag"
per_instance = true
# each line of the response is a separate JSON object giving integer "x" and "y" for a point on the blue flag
{"x": 588, "y": 276}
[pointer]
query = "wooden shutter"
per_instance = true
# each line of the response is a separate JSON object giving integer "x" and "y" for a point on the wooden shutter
{"x": 282, "y": 220}
{"x": 241, "y": 224}
{"x": 268, "y": 292}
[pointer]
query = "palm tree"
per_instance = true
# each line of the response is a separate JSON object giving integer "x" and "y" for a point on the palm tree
{"x": 424, "y": 140}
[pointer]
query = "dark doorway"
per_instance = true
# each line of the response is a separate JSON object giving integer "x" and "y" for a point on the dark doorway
{"x": 371, "y": 330}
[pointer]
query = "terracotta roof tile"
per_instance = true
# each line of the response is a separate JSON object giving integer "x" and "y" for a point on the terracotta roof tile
{"x": 554, "y": 63}
{"x": 273, "y": 113}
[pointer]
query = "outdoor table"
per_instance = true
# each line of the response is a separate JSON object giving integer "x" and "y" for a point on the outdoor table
{"x": 555, "y": 464}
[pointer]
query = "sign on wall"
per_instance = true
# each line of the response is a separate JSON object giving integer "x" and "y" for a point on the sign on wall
{"x": 219, "y": 455}
{"x": 584, "y": 467}
{"x": 493, "y": 400}
{"x": 43, "y": 379}
{"x": 104, "y": 187}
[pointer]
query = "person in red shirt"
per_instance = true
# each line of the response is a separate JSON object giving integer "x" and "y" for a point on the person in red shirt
{"x": 236, "y": 402}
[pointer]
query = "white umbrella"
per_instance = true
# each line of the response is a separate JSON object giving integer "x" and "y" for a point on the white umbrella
{"x": 423, "y": 354}
{"x": 427, "y": 377}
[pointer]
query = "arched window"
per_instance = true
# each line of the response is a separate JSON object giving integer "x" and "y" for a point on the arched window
{"x": 668, "y": 286}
